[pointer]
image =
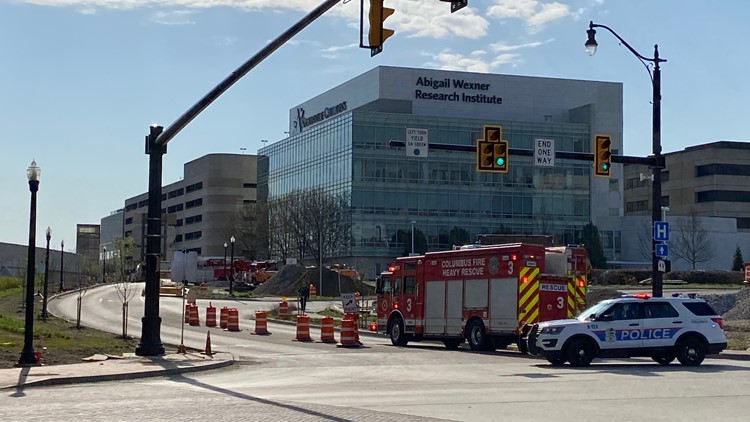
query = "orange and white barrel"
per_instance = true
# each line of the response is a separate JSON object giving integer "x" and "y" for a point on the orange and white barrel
{"x": 348, "y": 337}
{"x": 223, "y": 316}
{"x": 283, "y": 309}
{"x": 326, "y": 330}
{"x": 233, "y": 320}
{"x": 194, "y": 318}
{"x": 261, "y": 323}
{"x": 303, "y": 328}
{"x": 210, "y": 316}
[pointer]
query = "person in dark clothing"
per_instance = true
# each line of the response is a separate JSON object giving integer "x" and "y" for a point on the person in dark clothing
{"x": 304, "y": 295}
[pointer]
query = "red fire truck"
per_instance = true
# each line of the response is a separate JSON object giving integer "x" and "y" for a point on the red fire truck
{"x": 486, "y": 295}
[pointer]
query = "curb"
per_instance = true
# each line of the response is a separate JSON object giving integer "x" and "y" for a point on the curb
{"x": 120, "y": 376}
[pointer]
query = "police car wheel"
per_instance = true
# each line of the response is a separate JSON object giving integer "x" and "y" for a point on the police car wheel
{"x": 665, "y": 359}
{"x": 580, "y": 352}
{"x": 556, "y": 361}
{"x": 531, "y": 342}
{"x": 690, "y": 351}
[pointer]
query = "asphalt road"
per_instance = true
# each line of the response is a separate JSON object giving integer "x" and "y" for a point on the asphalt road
{"x": 288, "y": 380}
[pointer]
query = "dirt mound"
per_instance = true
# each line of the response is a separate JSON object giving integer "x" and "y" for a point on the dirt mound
{"x": 595, "y": 296}
{"x": 741, "y": 308}
{"x": 291, "y": 278}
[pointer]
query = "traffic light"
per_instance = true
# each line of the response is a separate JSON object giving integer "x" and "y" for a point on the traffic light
{"x": 500, "y": 163}
{"x": 602, "y": 155}
{"x": 377, "y": 35}
{"x": 485, "y": 156}
{"x": 493, "y": 133}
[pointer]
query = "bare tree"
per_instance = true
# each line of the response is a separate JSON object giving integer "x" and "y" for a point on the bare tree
{"x": 252, "y": 228}
{"x": 645, "y": 241}
{"x": 123, "y": 266}
{"x": 691, "y": 242}
{"x": 81, "y": 289}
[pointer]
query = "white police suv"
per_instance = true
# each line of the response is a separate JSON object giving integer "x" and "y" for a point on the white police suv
{"x": 682, "y": 326}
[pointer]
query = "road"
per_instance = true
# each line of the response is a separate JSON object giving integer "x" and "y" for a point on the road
{"x": 283, "y": 379}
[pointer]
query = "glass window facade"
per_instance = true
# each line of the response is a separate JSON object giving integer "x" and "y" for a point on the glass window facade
{"x": 350, "y": 154}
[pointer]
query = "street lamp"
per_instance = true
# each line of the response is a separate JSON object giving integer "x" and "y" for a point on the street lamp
{"x": 225, "y": 260}
{"x": 62, "y": 267}
{"x": 27, "y": 354}
{"x": 657, "y": 163}
{"x": 231, "y": 266}
{"x": 104, "y": 264}
{"x": 412, "y": 236}
{"x": 48, "y": 233}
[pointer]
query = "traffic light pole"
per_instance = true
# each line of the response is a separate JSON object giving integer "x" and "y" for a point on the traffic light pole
{"x": 156, "y": 147}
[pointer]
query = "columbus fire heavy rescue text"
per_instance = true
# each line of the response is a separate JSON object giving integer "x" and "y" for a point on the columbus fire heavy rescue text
{"x": 466, "y": 266}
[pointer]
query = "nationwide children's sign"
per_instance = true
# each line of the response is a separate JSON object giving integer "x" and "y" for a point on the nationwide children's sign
{"x": 455, "y": 89}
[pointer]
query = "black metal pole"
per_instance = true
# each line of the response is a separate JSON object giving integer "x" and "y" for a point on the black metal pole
{"x": 231, "y": 271}
{"x": 104, "y": 265}
{"x": 656, "y": 276}
{"x": 150, "y": 343}
{"x": 225, "y": 261}
{"x": 27, "y": 354}
{"x": 62, "y": 267}
{"x": 46, "y": 277}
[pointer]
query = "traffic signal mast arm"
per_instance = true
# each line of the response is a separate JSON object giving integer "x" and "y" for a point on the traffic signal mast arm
{"x": 582, "y": 156}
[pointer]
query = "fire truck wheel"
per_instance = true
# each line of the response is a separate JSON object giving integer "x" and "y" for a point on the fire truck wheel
{"x": 453, "y": 343}
{"x": 476, "y": 336}
{"x": 396, "y": 331}
{"x": 580, "y": 352}
{"x": 523, "y": 341}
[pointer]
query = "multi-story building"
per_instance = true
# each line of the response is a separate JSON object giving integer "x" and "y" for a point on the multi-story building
{"x": 198, "y": 212}
{"x": 87, "y": 244}
{"x": 339, "y": 141}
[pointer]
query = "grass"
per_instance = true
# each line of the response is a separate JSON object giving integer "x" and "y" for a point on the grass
{"x": 64, "y": 343}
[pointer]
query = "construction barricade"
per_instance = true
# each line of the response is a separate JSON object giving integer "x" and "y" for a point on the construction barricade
{"x": 313, "y": 290}
{"x": 210, "y": 316}
{"x": 283, "y": 308}
{"x": 303, "y": 328}
{"x": 223, "y": 317}
{"x": 326, "y": 330}
{"x": 261, "y": 323}
{"x": 193, "y": 316}
{"x": 233, "y": 320}
{"x": 187, "y": 312}
{"x": 349, "y": 336}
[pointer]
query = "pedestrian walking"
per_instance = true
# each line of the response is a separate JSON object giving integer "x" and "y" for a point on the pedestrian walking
{"x": 304, "y": 295}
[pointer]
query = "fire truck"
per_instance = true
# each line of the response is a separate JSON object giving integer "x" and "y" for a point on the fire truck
{"x": 486, "y": 295}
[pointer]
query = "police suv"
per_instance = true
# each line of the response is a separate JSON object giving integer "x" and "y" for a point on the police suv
{"x": 664, "y": 328}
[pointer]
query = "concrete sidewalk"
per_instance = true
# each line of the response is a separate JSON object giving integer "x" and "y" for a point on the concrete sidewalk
{"x": 106, "y": 368}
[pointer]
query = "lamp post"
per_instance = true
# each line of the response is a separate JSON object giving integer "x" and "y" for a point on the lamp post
{"x": 62, "y": 267}
{"x": 657, "y": 163}
{"x": 412, "y": 236}
{"x": 104, "y": 264}
{"x": 48, "y": 233}
{"x": 225, "y": 260}
{"x": 231, "y": 266}
{"x": 27, "y": 354}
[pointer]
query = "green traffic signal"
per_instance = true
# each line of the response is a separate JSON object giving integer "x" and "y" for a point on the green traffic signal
{"x": 500, "y": 161}
{"x": 605, "y": 166}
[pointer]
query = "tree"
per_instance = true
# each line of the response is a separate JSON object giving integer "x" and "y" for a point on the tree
{"x": 122, "y": 264}
{"x": 251, "y": 226}
{"x": 591, "y": 240}
{"x": 458, "y": 237}
{"x": 738, "y": 264}
{"x": 646, "y": 241}
{"x": 691, "y": 242}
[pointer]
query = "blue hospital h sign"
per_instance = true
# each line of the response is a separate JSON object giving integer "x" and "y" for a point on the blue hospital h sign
{"x": 661, "y": 231}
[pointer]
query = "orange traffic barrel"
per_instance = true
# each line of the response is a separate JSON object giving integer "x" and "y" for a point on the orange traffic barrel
{"x": 223, "y": 316}
{"x": 210, "y": 316}
{"x": 303, "y": 328}
{"x": 348, "y": 338}
{"x": 261, "y": 323}
{"x": 187, "y": 311}
{"x": 313, "y": 290}
{"x": 326, "y": 330}
{"x": 233, "y": 320}
{"x": 283, "y": 309}
{"x": 194, "y": 320}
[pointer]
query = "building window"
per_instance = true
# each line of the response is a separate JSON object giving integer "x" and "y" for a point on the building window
{"x": 195, "y": 203}
{"x": 178, "y": 238}
{"x": 129, "y": 220}
{"x": 131, "y": 207}
{"x": 250, "y": 185}
{"x": 143, "y": 203}
{"x": 743, "y": 223}
{"x": 178, "y": 223}
{"x": 175, "y": 193}
{"x": 174, "y": 208}
{"x": 194, "y": 219}
{"x": 635, "y": 206}
{"x": 129, "y": 233}
{"x": 193, "y": 235}
{"x": 665, "y": 201}
{"x": 88, "y": 229}
{"x": 722, "y": 196}
{"x": 665, "y": 176}
{"x": 614, "y": 185}
{"x": 194, "y": 187}
{"x": 722, "y": 169}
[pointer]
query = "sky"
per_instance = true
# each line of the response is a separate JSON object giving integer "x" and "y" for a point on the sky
{"x": 81, "y": 81}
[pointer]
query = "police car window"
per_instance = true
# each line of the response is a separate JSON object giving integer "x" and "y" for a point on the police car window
{"x": 700, "y": 308}
{"x": 409, "y": 284}
{"x": 397, "y": 285}
{"x": 660, "y": 310}
{"x": 624, "y": 311}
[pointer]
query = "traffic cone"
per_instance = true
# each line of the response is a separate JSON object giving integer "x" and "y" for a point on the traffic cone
{"x": 208, "y": 345}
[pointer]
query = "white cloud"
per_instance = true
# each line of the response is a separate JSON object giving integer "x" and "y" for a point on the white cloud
{"x": 476, "y": 61}
{"x": 499, "y": 47}
{"x": 535, "y": 13}
{"x": 176, "y": 17}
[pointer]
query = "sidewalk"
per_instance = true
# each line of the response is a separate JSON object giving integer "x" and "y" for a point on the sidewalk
{"x": 127, "y": 367}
